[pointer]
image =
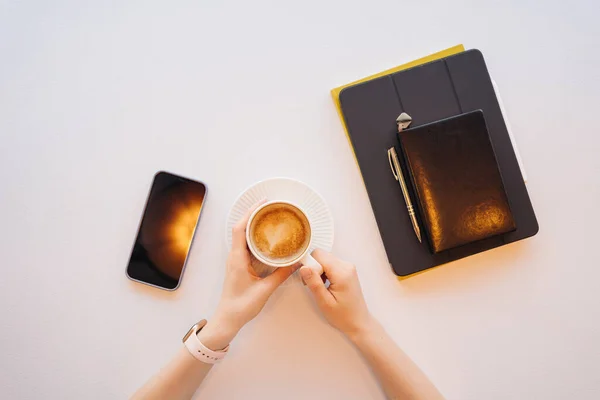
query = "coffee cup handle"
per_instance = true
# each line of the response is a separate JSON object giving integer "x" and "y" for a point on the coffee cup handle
{"x": 310, "y": 262}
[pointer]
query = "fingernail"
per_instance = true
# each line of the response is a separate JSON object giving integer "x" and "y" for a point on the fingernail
{"x": 305, "y": 273}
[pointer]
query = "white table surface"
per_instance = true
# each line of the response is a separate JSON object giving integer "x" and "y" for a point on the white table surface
{"x": 96, "y": 97}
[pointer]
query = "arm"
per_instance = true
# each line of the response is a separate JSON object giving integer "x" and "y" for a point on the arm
{"x": 344, "y": 307}
{"x": 180, "y": 378}
{"x": 399, "y": 376}
{"x": 244, "y": 295}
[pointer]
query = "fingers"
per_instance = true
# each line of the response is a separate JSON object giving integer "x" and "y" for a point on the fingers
{"x": 278, "y": 277}
{"x": 239, "y": 230}
{"x": 315, "y": 285}
{"x": 324, "y": 257}
{"x": 332, "y": 266}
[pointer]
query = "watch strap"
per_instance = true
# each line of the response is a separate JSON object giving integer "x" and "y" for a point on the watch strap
{"x": 200, "y": 351}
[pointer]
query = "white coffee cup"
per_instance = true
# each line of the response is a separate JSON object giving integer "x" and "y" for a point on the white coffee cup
{"x": 303, "y": 258}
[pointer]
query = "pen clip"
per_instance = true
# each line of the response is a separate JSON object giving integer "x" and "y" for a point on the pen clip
{"x": 403, "y": 121}
{"x": 392, "y": 166}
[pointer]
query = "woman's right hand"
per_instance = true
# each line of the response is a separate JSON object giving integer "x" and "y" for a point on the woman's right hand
{"x": 343, "y": 303}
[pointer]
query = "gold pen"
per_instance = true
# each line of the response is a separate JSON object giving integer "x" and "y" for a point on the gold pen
{"x": 403, "y": 121}
{"x": 395, "y": 166}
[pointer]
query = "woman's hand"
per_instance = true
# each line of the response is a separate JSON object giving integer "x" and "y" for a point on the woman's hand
{"x": 244, "y": 292}
{"x": 343, "y": 303}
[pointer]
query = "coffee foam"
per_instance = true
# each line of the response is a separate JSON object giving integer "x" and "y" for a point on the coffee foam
{"x": 280, "y": 233}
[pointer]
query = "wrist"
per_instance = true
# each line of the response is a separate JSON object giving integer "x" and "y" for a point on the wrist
{"x": 362, "y": 331}
{"x": 218, "y": 333}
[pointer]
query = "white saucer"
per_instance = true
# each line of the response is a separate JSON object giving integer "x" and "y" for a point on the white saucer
{"x": 291, "y": 190}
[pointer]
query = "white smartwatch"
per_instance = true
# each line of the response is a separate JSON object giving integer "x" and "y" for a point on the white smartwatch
{"x": 200, "y": 351}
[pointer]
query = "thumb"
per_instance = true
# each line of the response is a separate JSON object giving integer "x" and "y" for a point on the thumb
{"x": 315, "y": 284}
{"x": 278, "y": 276}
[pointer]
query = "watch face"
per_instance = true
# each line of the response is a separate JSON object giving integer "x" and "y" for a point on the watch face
{"x": 194, "y": 329}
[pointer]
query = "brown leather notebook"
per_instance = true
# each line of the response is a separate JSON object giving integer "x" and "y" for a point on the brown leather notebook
{"x": 454, "y": 173}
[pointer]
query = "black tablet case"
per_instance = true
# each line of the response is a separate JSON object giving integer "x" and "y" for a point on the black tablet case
{"x": 428, "y": 93}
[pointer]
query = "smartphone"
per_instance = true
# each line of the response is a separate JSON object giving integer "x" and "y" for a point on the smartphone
{"x": 166, "y": 231}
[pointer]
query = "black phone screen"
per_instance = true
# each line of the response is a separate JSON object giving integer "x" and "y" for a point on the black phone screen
{"x": 165, "y": 234}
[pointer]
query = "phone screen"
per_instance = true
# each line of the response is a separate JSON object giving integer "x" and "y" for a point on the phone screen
{"x": 165, "y": 234}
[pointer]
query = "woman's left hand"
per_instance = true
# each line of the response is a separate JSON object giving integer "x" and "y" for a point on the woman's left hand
{"x": 244, "y": 292}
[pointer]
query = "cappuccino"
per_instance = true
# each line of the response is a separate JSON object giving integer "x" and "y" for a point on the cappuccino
{"x": 280, "y": 232}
